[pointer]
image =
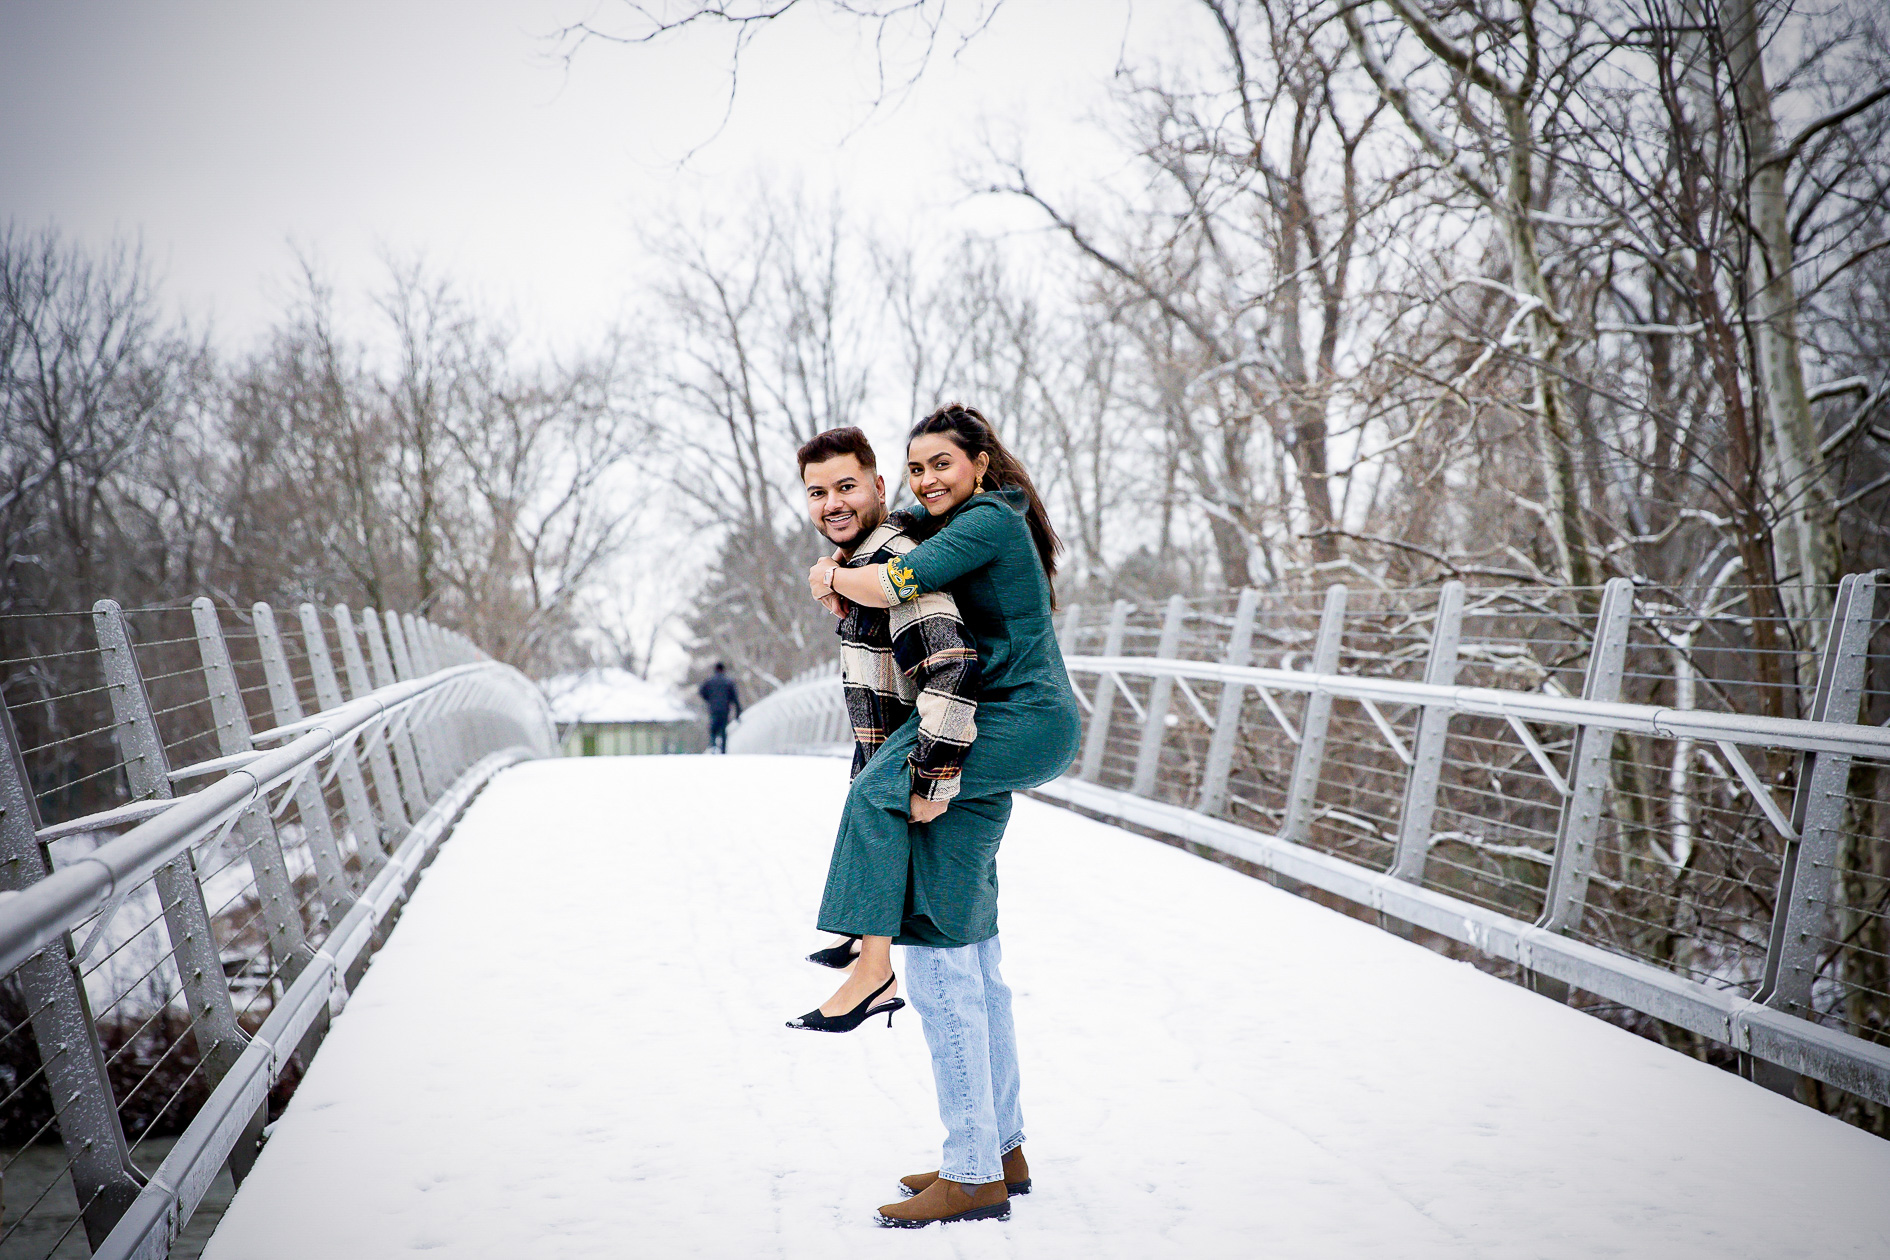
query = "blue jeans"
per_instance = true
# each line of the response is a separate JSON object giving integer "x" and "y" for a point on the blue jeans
{"x": 965, "y": 1008}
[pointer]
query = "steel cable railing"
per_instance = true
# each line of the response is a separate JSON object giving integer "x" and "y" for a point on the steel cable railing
{"x": 1597, "y": 790}
{"x": 196, "y": 858}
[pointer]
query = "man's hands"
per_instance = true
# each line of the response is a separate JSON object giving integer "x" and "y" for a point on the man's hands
{"x": 924, "y": 811}
{"x": 820, "y": 583}
{"x": 820, "y": 577}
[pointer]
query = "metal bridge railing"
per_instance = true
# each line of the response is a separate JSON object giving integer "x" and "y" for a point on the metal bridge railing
{"x": 202, "y": 838}
{"x": 1658, "y": 798}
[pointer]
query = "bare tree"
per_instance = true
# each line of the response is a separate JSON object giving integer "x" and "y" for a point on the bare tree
{"x": 1481, "y": 129}
{"x": 440, "y": 470}
{"x": 545, "y": 453}
{"x": 94, "y": 382}
{"x": 1237, "y": 277}
{"x": 768, "y": 325}
{"x": 905, "y": 34}
{"x": 1807, "y": 529}
{"x": 1047, "y": 373}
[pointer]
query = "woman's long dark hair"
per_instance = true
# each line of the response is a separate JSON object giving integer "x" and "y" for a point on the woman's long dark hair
{"x": 973, "y": 435}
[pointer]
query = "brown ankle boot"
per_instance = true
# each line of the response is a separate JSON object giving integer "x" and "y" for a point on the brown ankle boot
{"x": 1016, "y": 1175}
{"x": 945, "y": 1200}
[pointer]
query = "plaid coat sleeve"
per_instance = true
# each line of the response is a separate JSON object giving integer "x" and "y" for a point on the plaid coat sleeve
{"x": 879, "y": 697}
{"x": 932, "y": 647}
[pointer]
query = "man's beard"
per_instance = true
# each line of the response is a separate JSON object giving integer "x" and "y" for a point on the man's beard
{"x": 866, "y": 526}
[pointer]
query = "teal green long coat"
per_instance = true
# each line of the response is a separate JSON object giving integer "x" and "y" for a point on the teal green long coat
{"x": 936, "y": 883}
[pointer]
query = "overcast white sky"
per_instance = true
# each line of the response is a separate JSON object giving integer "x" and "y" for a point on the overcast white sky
{"x": 225, "y": 135}
{"x": 223, "y": 131}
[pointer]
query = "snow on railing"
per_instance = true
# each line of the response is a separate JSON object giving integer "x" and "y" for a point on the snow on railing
{"x": 1661, "y": 800}
{"x": 201, "y": 842}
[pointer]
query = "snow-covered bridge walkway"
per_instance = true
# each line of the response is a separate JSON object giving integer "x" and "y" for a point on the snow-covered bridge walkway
{"x": 573, "y": 1046}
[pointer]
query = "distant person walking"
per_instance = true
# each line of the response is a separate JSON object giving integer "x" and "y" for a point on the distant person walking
{"x": 718, "y": 692}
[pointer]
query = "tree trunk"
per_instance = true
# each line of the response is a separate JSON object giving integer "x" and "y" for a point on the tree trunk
{"x": 1305, "y": 406}
{"x": 1554, "y": 431}
{"x": 1806, "y": 536}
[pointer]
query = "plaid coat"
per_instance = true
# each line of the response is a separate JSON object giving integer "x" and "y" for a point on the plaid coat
{"x": 936, "y": 884}
{"x": 916, "y": 656}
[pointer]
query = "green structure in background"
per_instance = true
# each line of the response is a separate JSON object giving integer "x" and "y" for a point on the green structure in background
{"x": 614, "y": 713}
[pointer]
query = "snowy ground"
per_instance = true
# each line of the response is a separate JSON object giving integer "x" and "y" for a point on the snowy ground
{"x": 573, "y": 1046}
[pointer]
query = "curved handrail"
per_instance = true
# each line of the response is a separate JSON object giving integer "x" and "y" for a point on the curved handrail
{"x": 1797, "y": 734}
{"x": 808, "y": 714}
{"x": 791, "y": 719}
{"x": 37, "y": 915}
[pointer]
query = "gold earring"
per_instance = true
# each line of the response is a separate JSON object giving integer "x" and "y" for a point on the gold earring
{"x": 979, "y": 488}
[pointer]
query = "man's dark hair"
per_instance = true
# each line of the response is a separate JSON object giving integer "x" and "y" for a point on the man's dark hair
{"x": 837, "y": 442}
{"x": 719, "y": 667}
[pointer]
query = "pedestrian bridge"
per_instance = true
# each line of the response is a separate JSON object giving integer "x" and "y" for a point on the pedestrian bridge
{"x": 1328, "y": 945}
{"x": 572, "y": 1045}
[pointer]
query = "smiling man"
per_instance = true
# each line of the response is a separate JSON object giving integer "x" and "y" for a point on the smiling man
{"x": 914, "y": 656}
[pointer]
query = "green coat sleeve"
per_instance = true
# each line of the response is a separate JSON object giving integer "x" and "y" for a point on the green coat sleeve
{"x": 970, "y": 540}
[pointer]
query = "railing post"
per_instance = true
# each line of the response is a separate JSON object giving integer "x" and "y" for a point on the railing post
{"x": 1220, "y": 756}
{"x": 397, "y": 648}
{"x": 411, "y": 627}
{"x": 354, "y": 796}
{"x": 1804, "y": 882}
{"x": 1066, "y": 634}
{"x": 1304, "y": 789}
{"x": 337, "y": 891}
{"x": 380, "y": 761}
{"x": 1148, "y": 754}
{"x": 439, "y": 731}
{"x": 1580, "y": 822}
{"x": 413, "y": 788}
{"x": 280, "y": 913}
{"x": 466, "y": 724}
{"x": 431, "y": 777}
{"x": 194, "y": 950}
{"x": 63, "y": 1028}
{"x": 1098, "y": 735}
{"x": 1427, "y": 745}
{"x": 426, "y": 660}
{"x": 454, "y": 730}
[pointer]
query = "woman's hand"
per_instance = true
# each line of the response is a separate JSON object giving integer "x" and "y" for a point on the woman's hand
{"x": 820, "y": 581}
{"x": 924, "y": 811}
{"x": 835, "y": 604}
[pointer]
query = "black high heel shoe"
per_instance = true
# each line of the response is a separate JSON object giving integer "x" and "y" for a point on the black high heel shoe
{"x": 814, "y": 1021}
{"x": 839, "y": 957}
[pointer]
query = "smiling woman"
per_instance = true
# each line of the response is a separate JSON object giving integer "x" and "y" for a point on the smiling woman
{"x": 942, "y": 475}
